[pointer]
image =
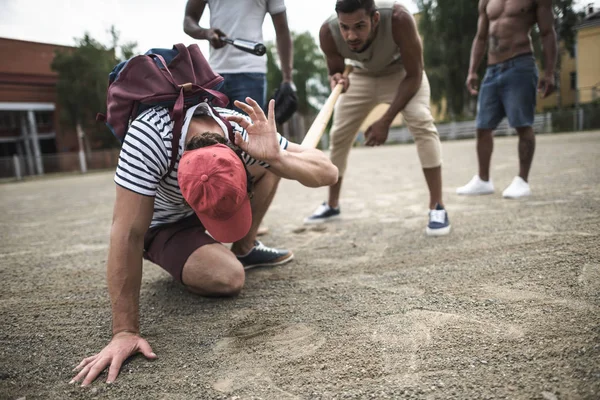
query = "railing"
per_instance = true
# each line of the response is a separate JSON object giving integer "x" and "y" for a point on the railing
{"x": 585, "y": 117}
{"x": 19, "y": 167}
{"x": 467, "y": 129}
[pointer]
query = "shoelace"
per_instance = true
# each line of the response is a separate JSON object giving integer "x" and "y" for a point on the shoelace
{"x": 437, "y": 216}
{"x": 261, "y": 247}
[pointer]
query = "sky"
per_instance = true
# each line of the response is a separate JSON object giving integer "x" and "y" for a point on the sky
{"x": 150, "y": 23}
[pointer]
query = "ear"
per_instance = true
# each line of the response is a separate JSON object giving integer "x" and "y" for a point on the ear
{"x": 376, "y": 17}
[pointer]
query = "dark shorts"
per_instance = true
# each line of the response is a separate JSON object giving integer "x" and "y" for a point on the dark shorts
{"x": 240, "y": 86}
{"x": 509, "y": 89}
{"x": 170, "y": 245}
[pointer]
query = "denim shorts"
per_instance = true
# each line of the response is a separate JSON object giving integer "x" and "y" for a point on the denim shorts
{"x": 509, "y": 89}
{"x": 240, "y": 86}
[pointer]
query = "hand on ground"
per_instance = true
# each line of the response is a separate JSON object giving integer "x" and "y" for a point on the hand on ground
{"x": 122, "y": 346}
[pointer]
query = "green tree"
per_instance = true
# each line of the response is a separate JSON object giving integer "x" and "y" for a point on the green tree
{"x": 447, "y": 29}
{"x": 309, "y": 74}
{"x": 82, "y": 83}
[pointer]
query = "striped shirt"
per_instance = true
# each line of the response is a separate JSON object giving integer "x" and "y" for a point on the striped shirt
{"x": 146, "y": 155}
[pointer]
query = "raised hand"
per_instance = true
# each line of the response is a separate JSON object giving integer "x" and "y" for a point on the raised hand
{"x": 263, "y": 140}
{"x": 122, "y": 346}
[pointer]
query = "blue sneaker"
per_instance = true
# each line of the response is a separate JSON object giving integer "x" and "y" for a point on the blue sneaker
{"x": 322, "y": 214}
{"x": 439, "y": 224}
{"x": 263, "y": 256}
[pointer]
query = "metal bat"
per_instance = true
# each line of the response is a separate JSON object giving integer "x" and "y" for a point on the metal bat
{"x": 258, "y": 49}
{"x": 320, "y": 123}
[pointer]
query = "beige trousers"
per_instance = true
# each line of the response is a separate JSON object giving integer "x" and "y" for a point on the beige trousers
{"x": 366, "y": 92}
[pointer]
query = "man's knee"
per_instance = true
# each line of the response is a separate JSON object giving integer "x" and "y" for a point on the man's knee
{"x": 224, "y": 277}
{"x": 484, "y": 133}
{"x": 231, "y": 283}
{"x": 525, "y": 131}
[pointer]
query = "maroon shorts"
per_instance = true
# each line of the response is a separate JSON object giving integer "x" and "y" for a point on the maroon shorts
{"x": 170, "y": 245}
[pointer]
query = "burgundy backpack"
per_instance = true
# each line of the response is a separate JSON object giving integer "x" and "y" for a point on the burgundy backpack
{"x": 174, "y": 78}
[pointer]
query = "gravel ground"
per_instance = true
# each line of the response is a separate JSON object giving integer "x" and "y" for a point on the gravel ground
{"x": 506, "y": 307}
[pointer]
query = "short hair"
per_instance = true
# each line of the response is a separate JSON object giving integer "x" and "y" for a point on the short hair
{"x": 210, "y": 139}
{"x": 350, "y": 6}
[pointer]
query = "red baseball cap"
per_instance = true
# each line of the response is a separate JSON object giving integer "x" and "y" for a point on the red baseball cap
{"x": 213, "y": 182}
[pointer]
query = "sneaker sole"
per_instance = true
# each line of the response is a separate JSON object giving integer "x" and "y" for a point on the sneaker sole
{"x": 271, "y": 264}
{"x": 475, "y": 193}
{"x": 516, "y": 197}
{"x": 321, "y": 220}
{"x": 438, "y": 232}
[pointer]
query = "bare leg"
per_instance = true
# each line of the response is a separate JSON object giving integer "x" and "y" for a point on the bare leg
{"x": 334, "y": 194}
{"x": 526, "y": 150}
{"x": 485, "y": 147}
{"x": 264, "y": 191}
{"x": 433, "y": 176}
{"x": 212, "y": 270}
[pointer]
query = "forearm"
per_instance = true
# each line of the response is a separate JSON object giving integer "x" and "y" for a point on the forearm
{"x": 285, "y": 49}
{"x": 550, "y": 52}
{"x": 310, "y": 167}
{"x": 191, "y": 27}
{"x": 124, "y": 276}
{"x": 477, "y": 52}
{"x": 406, "y": 90}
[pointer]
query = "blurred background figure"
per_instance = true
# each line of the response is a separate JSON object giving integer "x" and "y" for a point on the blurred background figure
{"x": 244, "y": 73}
{"x": 510, "y": 83}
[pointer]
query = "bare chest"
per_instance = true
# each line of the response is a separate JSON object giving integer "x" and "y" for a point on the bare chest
{"x": 497, "y": 9}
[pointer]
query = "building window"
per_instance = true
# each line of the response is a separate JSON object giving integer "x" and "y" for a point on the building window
{"x": 573, "y": 80}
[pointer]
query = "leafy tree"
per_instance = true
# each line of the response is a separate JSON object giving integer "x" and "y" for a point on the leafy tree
{"x": 82, "y": 83}
{"x": 309, "y": 74}
{"x": 448, "y": 29}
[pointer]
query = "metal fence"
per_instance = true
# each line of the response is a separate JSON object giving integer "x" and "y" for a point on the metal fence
{"x": 17, "y": 167}
{"x": 583, "y": 118}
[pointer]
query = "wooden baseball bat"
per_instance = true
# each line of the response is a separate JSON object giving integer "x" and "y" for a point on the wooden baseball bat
{"x": 320, "y": 123}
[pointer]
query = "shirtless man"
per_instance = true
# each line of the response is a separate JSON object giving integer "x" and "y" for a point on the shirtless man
{"x": 509, "y": 86}
{"x": 381, "y": 40}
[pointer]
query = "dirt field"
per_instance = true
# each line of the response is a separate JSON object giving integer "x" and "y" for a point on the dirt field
{"x": 507, "y": 306}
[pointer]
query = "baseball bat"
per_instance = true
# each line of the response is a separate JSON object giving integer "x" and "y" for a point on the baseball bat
{"x": 320, "y": 123}
{"x": 258, "y": 49}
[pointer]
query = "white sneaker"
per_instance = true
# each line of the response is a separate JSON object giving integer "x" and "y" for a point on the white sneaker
{"x": 517, "y": 188}
{"x": 476, "y": 186}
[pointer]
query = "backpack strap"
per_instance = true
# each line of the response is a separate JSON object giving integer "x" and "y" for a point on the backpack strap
{"x": 230, "y": 132}
{"x": 177, "y": 117}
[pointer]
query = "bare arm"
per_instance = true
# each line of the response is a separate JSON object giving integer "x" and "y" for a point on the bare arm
{"x": 545, "y": 20}
{"x": 480, "y": 40}
{"x": 308, "y": 166}
{"x": 285, "y": 46}
{"x": 335, "y": 61}
{"x": 193, "y": 12}
{"x": 478, "y": 48}
{"x": 131, "y": 219}
{"x": 311, "y": 167}
{"x": 406, "y": 36}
